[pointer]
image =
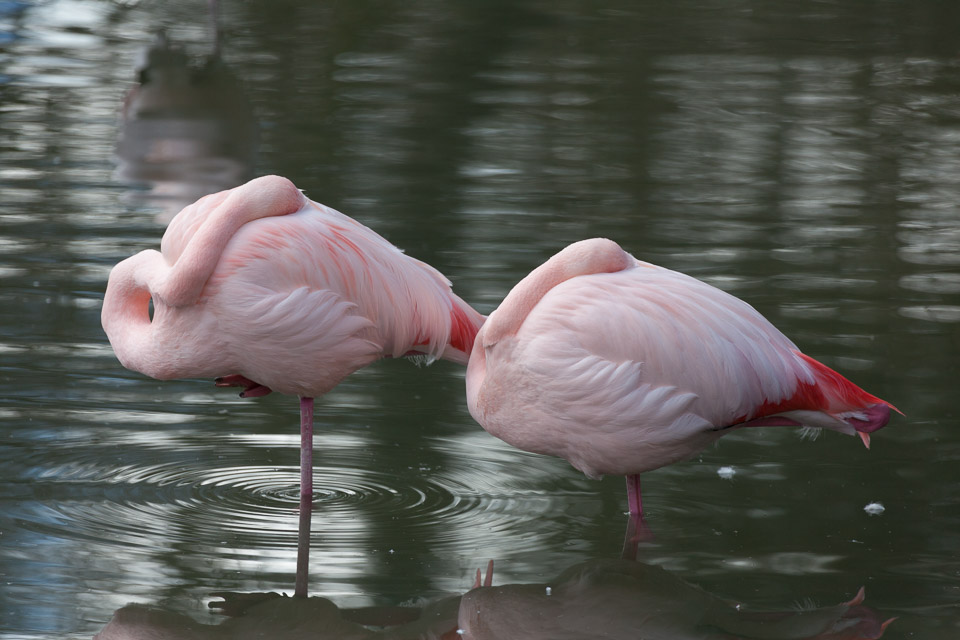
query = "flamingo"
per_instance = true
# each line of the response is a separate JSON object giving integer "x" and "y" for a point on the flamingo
{"x": 604, "y": 598}
{"x": 620, "y": 366}
{"x": 262, "y": 288}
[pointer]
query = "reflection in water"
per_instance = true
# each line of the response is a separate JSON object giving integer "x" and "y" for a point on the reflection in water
{"x": 803, "y": 156}
{"x": 593, "y": 599}
{"x": 269, "y": 615}
{"x": 620, "y": 599}
{"x": 187, "y": 130}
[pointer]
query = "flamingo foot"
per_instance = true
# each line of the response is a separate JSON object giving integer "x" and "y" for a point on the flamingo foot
{"x": 868, "y": 420}
{"x": 251, "y": 389}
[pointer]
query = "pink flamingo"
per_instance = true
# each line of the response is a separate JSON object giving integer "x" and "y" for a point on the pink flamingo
{"x": 604, "y": 598}
{"x": 265, "y": 289}
{"x": 620, "y": 366}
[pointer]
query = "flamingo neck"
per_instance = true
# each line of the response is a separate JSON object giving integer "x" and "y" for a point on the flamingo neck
{"x": 260, "y": 198}
{"x": 586, "y": 257}
{"x": 126, "y": 310}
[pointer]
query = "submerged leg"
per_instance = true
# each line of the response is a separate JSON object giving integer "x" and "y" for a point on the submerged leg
{"x": 633, "y": 495}
{"x": 637, "y": 532}
{"x": 306, "y": 497}
{"x": 637, "y": 529}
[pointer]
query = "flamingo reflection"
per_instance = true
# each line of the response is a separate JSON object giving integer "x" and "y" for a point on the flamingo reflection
{"x": 593, "y": 599}
{"x": 625, "y": 599}
{"x": 187, "y": 129}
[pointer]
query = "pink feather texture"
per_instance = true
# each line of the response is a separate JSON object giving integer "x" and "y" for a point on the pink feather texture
{"x": 261, "y": 282}
{"x": 620, "y": 366}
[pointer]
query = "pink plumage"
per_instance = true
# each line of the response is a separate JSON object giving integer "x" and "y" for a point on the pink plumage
{"x": 262, "y": 282}
{"x": 620, "y": 367}
{"x": 265, "y": 289}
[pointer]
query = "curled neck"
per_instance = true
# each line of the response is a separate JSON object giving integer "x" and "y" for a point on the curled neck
{"x": 260, "y": 198}
{"x": 175, "y": 278}
{"x": 586, "y": 257}
{"x": 126, "y": 309}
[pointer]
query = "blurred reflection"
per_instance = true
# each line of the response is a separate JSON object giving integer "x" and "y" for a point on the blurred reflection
{"x": 593, "y": 599}
{"x": 269, "y": 615}
{"x": 621, "y": 599}
{"x": 187, "y": 130}
{"x": 10, "y": 14}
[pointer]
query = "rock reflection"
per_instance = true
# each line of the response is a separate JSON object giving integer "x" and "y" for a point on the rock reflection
{"x": 187, "y": 130}
{"x": 593, "y": 599}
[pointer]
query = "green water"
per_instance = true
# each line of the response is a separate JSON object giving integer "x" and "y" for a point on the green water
{"x": 804, "y": 156}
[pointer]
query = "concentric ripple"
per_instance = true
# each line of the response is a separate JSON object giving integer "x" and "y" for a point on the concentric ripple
{"x": 221, "y": 500}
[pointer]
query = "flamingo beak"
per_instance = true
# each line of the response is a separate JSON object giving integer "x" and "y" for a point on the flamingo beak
{"x": 865, "y": 437}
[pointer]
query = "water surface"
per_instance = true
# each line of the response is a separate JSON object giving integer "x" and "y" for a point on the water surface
{"x": 802, "y": 156}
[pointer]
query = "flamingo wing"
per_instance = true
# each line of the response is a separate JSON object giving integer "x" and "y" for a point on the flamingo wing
{"x": 677, "y": 332}
{"x": 302, "y": 341}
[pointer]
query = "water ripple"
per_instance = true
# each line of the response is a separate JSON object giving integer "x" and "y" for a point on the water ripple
{"x": 143, "y": 504}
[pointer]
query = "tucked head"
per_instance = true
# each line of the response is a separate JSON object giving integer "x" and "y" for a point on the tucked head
{"x": 587, "y": 257}
{"x": 596, "y": 255}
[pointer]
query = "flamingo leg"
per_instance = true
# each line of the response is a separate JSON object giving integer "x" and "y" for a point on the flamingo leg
{"x": 633, "y": 495}
{"x": 637, "y": 529}
{"x": 306, "y": 497}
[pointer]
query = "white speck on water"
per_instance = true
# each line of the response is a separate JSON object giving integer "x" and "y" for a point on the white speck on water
{"x": 726, "y": 473}
{"x": 460, "y": 632}
{"x": 874, "y": 508}
{"x": 549, "y": 591}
